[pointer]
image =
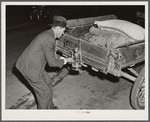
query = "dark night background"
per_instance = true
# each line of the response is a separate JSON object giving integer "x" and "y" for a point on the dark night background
{"x": 19, "y": 14}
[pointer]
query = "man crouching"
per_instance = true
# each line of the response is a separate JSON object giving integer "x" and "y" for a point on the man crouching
{"x": 32, "y": 62}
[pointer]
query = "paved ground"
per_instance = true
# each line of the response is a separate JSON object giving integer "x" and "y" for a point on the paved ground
{"x": 82, "y": 91}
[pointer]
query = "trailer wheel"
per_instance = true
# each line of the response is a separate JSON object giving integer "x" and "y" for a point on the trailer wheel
{"x": 138, "y": 91}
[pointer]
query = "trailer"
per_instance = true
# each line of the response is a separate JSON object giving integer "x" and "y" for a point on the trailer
{"x": 106, "y": 49}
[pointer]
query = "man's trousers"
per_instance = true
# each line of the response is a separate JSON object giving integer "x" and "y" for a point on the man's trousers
{"x": 43, "y": 90}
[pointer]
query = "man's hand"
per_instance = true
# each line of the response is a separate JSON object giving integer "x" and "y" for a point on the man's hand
{"x": 67, "y": 60}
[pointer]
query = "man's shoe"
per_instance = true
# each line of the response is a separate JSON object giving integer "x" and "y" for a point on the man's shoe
{"x": 55, "y": 107}
{"x": 56, "y": 81}
{"x": 60, "y": 76}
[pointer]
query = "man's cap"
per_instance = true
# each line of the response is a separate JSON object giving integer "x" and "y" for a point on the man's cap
{"x": 59, "y": 21}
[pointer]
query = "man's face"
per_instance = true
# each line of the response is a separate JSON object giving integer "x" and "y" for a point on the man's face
{"x": 60, "y": 32}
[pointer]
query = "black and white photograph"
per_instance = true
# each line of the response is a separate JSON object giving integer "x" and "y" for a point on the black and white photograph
{"x": 74, "y": 60}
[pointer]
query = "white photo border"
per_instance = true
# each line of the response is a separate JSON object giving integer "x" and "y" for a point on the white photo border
{"x": 73, "y": 114}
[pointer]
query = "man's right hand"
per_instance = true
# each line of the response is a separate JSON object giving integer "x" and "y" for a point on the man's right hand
{"x": 67, "y": 60}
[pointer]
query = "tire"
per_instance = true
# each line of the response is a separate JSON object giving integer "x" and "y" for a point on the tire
{"x": 138, "y": 91}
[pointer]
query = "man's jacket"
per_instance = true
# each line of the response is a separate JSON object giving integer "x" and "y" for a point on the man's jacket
{"x": 40, "y": 51}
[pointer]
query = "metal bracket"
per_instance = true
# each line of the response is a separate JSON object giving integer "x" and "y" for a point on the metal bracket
{"x": 77, "y": 57}
{"x": 112, "y": 67}
{"x": 127, "y": 76}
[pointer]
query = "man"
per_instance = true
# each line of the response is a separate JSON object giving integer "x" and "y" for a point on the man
{"x": 33, "y": 60}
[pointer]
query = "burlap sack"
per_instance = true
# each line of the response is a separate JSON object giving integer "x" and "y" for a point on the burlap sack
{"x": 130, "y": 29}
{"x": 106, "y": 38}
